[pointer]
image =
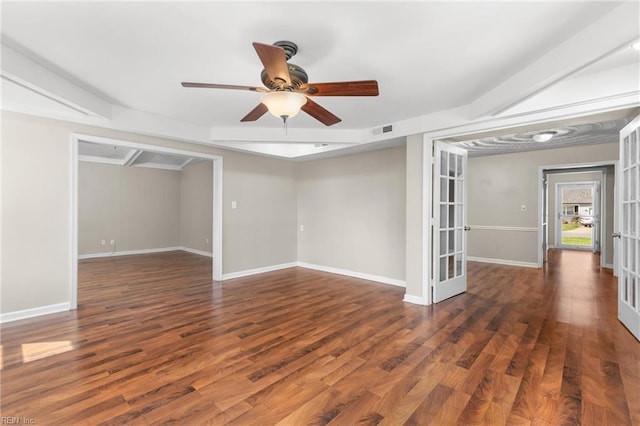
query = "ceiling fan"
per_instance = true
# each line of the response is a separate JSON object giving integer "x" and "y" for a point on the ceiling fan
{"x": 287, "y": 89}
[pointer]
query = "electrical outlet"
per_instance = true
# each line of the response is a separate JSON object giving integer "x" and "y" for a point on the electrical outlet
{"x": 523, "y": 208}
{"x": 301, "y": 228}
{"x": 206, "y": 240}
{"x": 103, "y": 242}
{"x": 112, "y": 242}
{"x": 234, "y": 204}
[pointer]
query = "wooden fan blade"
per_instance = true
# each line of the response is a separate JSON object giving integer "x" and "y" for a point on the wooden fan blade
{"x": 274, "y": 61}
{"x": 223, "y": 86}
{"x": 345, "y": 88}
{"x": 320, "y": 113}
{"x": 256, "y": 113}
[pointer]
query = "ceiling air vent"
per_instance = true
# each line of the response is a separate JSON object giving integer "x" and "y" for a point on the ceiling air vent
{"x": 384, "y": 129}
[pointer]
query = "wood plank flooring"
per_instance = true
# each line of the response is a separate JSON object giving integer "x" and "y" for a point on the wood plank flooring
{"x": 155, "y": 341}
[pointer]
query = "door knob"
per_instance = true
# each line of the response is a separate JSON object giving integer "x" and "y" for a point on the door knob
{"x": 616, "y": 235}
{"x": 467, "y": 228}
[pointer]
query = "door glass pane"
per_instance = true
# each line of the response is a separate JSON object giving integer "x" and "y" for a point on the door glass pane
{"x": 625, "y": 192}
{"x": 443, "y": 164}
{"x": 459, "y": 265}
{"x": 452, "y": 190}
{"x": 459, "y": 190}
{"x": 625, "y": 248}
{"x": 625, "y": 218}
{"x": 443, "y": 268}
{"x": 451, "y": 265}
{"x": 634, "y": 290}
{"x": 632, "y": 185}
{"x": 444, "y": 184}
{"x": 626, "y": 152}
{"x": 459, "y": 215}
{"x": 443, "y": 215}
{"x": 452, "y": 164}
{"x": 451, "y": 241}
{"x": 625, "y": 289}
{"x": 632, "y": 216}
{"x": 459, "y": 240}
{"x": 637, "y": 182}
{"x": 632, "y": 257}
{"x": 443, "y": 242}
{"x": 452, "y": 211}
{"x": 459, "y": 166}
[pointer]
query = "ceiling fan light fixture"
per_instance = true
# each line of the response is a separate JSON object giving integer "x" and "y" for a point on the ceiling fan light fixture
{"x": 544, "y": 136}
{"x": 284, "y": 104}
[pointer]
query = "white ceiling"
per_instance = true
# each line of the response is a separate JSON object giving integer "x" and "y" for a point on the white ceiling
{"x": 124, "y": 61}
{"x": 565, "y": 136}
{"x": 132, "y": 157}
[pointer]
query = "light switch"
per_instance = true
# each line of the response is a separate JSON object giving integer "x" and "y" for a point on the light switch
{"x": 234, "y": 204}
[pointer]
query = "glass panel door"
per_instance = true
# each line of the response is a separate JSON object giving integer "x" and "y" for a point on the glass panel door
{"x": 450, "y": 215}
{"x": 629, "y": 207}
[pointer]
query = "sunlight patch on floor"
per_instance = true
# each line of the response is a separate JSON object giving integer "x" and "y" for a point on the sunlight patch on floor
{"x": 34, "y": 351}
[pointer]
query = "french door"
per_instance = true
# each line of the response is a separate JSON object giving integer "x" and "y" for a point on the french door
{"x": 450, "y": 216}
{"x": 629, "y": 206}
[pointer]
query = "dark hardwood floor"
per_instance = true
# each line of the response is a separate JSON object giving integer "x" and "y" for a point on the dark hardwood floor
{"x": 155, "y": 341}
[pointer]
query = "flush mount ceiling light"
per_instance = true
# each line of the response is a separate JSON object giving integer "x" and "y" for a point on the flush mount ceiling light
{"x": 544, "y": 136}
{"x": 284, "y": 104}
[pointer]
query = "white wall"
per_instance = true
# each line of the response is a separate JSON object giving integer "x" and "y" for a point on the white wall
{"x": 500, "y": 184}
{"x": 264, "y": 220}
{"x": 196, "y": 206}
{"x": 353, "y": 212}
{"x": 136, "y": 207}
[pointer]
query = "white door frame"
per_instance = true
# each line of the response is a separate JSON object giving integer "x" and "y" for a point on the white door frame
{"x": 573, "y": 167}
{"x": 427, "y": 217}
{"x": 216, "y": 236}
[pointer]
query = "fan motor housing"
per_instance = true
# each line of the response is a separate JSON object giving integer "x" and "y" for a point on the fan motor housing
{"x": 298, "y": 78}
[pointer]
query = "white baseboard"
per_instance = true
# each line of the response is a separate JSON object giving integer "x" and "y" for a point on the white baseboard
{"x": 378, "y": 278}
{"x": 34, "y": 312}
{"x": 145, "y": 251}
{"x": 261, "y": 270}
{"x": 415, "y": 300}
{"x": 608, "y": 265}
{"x": 196, "y": 251}
{"x": 127, "y": 252}
{"x": 503, "y": 262}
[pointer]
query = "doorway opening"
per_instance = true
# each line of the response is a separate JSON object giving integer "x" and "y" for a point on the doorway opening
{"x": 578, "y": 206}
{"x": 577, "y": 209}
{"x": 161, "y": 157}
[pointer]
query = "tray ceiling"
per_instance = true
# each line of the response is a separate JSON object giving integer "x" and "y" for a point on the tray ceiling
{"x": 125, "y": 156}
{"x": 439, "y": 64}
